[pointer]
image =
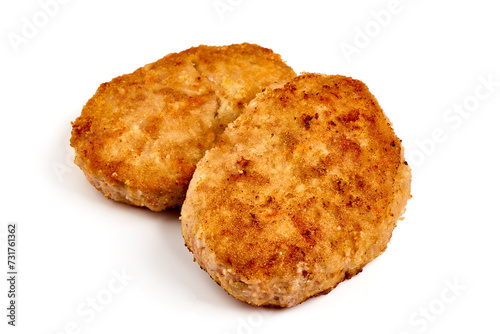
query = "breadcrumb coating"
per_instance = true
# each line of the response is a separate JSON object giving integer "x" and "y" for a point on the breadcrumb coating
{"x": 138, "y": 139}
{"x": 302, "y": 191}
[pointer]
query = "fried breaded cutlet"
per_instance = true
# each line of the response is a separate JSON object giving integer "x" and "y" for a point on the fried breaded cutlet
{"x": 140, "y": 136}
{"x": 304, "y": 189}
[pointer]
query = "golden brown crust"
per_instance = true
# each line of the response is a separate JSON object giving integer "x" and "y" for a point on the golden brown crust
{"x": 303, "y": 190}
{"x": 140, "y": 136}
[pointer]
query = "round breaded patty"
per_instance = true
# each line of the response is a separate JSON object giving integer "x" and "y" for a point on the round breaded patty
{"x": 304, "y": 189}
{"x": 140, "y": 136}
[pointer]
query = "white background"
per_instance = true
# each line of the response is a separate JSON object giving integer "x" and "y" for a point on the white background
{"x": 424, "y": 63}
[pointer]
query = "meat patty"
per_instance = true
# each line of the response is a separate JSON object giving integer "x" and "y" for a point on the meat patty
{"x": 303, "y": 190}
{"x": 140, "y": 136}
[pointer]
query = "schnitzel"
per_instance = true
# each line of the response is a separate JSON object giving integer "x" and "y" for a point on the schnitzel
{"x": 140, "y": 136}
{"x": 302, "y": 191}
